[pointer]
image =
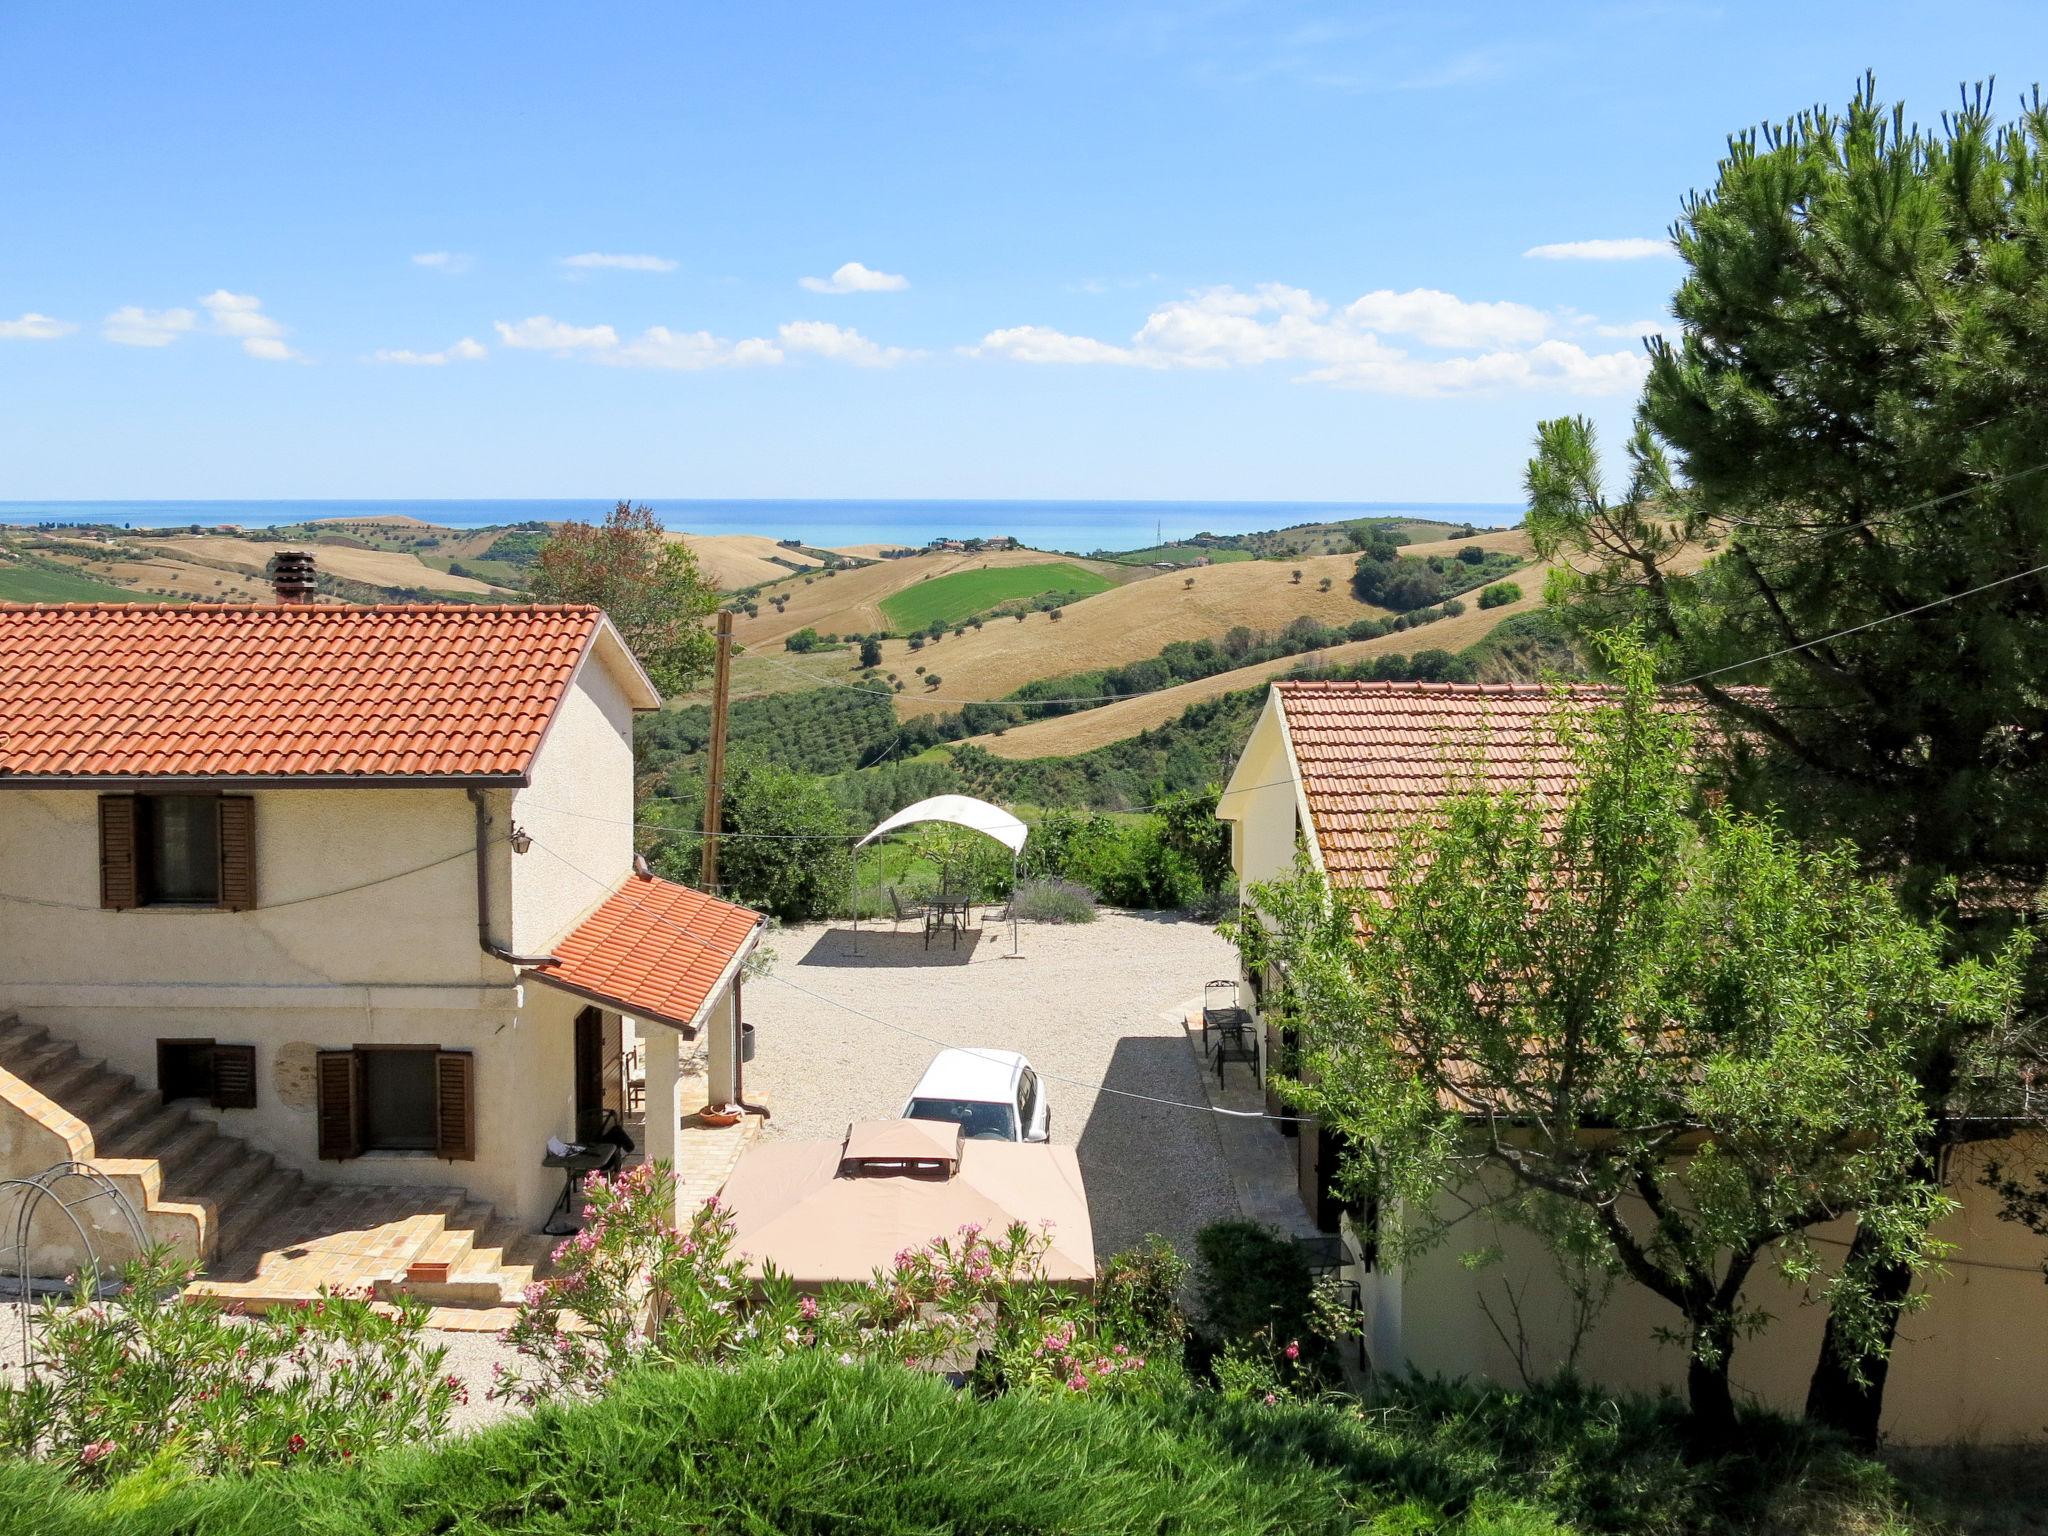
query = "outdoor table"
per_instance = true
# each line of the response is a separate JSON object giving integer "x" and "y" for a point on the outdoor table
{"x": 946, "y": 912}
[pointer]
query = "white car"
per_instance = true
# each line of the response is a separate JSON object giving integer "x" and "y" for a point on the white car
{"x": 992, "y": 1095}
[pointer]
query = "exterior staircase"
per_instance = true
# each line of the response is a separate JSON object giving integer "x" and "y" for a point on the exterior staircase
{"x": 266, "y": 1236}
{"x": 231, "y": 1183}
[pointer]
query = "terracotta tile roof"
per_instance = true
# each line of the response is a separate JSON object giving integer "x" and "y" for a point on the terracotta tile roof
{"x": 131, "y": 690}
{"x": 653, "y": 950}
{"x": 1375, "y": 756}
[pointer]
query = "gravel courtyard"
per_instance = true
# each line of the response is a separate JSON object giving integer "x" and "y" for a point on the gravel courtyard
{"x": 1088, "y": 1004}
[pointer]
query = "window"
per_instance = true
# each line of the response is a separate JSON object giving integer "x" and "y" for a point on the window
{"x": 177, "y": 851}
{"x": 1027, "y": 1100}
{"x": 396, "y": 1099}
{"x": 223, "y": 1075}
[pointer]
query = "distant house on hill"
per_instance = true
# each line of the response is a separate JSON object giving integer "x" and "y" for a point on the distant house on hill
{"x": 1341, "y": 771}
{"x": 338, "y": 894}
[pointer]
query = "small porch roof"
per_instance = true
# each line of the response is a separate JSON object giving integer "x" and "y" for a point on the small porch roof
{"x": 655, "y": 950}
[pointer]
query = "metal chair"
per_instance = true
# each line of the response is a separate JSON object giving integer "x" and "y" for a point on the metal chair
{"x": 1237, "y": 1043}
{"x": 903, "y": 910}
{"x": 1222, "y": 1012}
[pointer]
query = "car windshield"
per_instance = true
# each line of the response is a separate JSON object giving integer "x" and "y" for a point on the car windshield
{"x": 982, "y": 1122}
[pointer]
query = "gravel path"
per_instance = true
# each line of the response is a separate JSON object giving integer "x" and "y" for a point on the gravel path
{"x": 1088, "y": 1004}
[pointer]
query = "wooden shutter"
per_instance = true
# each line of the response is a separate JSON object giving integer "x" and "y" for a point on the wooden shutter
{"x": 119, "y": 886}
{"x": 237, "y": 852}
{"x": 339, "y": 1078}
{"x": 234, "y": 1077}
{"x": 454, "y": 1106}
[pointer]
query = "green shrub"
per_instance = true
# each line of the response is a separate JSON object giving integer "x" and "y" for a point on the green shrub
{"x": 1053, "y": 901}
{"x": 145, "y": 1379}
{"x": 805, "y": 639}
{"x": 1251, "y": 1280}
{"x": 1500, "y": 594}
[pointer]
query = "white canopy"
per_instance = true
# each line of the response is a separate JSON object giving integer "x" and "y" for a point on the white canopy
{"x": 961, "y": 811}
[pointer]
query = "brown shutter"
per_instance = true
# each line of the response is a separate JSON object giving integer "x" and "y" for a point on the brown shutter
{"x": 234, "y": 1077}
{"x": 339, "y": 1079}
{"x": 237, "y": 852}
{"x": 454, "y": 1106}
{"x": 119, "y": 887}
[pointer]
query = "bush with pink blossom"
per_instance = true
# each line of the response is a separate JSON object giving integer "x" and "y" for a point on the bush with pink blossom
{"x": 146, "y": 1376}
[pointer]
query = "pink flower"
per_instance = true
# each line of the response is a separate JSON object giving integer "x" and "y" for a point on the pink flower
{"x": 1293, "y": 1350}
{"x": 297, "y": 1442}
{"x": 98, "y": 1451}
{"x": 1077, "y": 1382}
{"x": 808, "y": 1306}
{"x": 1270, "y": 1399}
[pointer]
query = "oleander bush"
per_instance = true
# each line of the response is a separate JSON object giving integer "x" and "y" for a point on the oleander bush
{"x": 144, "y": 1378}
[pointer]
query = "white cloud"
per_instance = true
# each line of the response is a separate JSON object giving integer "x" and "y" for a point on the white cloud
{"x": 541, "y": 333}
{"x": 1043, "y": 344}
{"x": 241, "y": 316}
{"x": 660, "y": 347}
{"x": 1602, "y": 250}
{"x": 34, "y": 327}
{"x": 454, "y": 263}
{"x": 689, "y": 351}
{"x": 591, "y": 261}
{"x": 133, "y": 326}
{"x": 1497, "y": 345}
{"x": 1444, "y": 320}
{"x": 841, "y": 343}
{"x": 852, "y": 277}
{"x": 467, "y": 350}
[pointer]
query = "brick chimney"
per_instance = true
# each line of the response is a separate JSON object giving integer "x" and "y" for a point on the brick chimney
{"x": 291, "y": 578}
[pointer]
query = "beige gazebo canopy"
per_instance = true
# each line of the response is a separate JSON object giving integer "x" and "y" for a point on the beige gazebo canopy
{"x": 821, "y": 1211}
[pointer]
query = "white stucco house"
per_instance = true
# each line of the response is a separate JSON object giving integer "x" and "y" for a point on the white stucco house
{"x": 1338, "y": 772}
{"x": 334, "y": 895}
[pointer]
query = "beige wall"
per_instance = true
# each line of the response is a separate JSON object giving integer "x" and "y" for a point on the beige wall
{"x": 1971, "y": 1366}
{"x": 579, "y": 811}
{"x": 321, "y": 963}
{"x": 1262, "y": 802}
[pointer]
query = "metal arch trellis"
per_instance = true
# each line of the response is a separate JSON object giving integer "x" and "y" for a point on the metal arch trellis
{"x": 53, "y": 1184}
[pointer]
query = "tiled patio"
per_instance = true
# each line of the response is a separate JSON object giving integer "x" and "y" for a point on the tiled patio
{"x": 364, "y": 1237}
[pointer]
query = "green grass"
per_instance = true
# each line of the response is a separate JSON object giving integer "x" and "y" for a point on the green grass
{"x": 1178, "y": 554}
{"x": 950, "y": 599}
{"x": 33, "y": 584}
{"x": 499, "y": 572}
{"x": 807, "y": 1447}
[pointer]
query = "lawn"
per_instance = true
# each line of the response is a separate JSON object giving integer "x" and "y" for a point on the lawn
{"x": 950, "y": 599}
{"x": 1179, "y": 554}
{"x": 32, "y": 584}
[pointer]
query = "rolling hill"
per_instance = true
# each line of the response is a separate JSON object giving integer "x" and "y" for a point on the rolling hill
{"x": 736, "y": 560}
{"x": 1138, "y": 620}
{"x": 849, "y": 601}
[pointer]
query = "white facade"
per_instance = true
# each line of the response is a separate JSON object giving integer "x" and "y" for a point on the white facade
{"x": 364, "y": 933}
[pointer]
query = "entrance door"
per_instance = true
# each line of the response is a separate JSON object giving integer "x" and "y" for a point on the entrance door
{"x": 600, "y": 1071}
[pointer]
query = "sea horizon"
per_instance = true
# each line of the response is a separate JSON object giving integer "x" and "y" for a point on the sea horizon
{"x": 1067, "y": 524}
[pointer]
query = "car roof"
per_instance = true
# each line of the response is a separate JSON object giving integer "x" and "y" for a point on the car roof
{"x": 978, "y": 1073}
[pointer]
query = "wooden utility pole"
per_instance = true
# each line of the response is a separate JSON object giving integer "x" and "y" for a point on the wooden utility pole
{"x": 714, "y": 768}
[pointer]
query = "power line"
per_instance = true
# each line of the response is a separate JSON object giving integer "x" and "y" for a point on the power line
{"x": 1857, "y": 629}
{"x": 985, "y": 1052}
{"x": 275, "y": 906}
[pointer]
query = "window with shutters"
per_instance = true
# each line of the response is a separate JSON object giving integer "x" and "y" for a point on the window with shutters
{"x": 223, "y": 1075}
{"x": 178, "y": 851}
{"x": 397, "y": 1098}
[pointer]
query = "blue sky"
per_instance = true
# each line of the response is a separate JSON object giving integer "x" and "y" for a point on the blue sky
{"x": 1202, "y": 251}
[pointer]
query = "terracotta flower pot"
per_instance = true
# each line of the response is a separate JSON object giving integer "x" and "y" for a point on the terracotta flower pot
{"x": 728, "y": 1114}
{"x": 428, "y": 1272}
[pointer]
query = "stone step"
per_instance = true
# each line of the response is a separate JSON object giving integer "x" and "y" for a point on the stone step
{"x": 123, "y": 1123}
{"x": 268, "y": 1197}
{"x": 191, "y": 1178}
{"x": 54, "y": 1067}
{"x": 17, "y": 1037}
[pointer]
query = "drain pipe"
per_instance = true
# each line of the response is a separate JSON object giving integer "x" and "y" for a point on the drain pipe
{"x": 483, "y": 894}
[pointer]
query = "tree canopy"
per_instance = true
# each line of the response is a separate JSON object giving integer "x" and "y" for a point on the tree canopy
{"x": 1854, "y": 424}
{"x": 1673, "y": 1039}
{"x": 649, "y": 584}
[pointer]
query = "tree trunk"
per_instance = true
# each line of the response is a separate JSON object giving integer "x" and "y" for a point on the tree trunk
{"x": 1707, "y": 1390}
{"x": 1834, "y": 1398}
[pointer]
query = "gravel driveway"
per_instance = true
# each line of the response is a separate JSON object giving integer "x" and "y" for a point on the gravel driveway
{"x": 1089, "y": 1004}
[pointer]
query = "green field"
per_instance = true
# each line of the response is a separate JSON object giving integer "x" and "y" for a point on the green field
{"x": 950, "y": 599}
{"x": 1178, "y": 554}
{"x": 32, "y": 584}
